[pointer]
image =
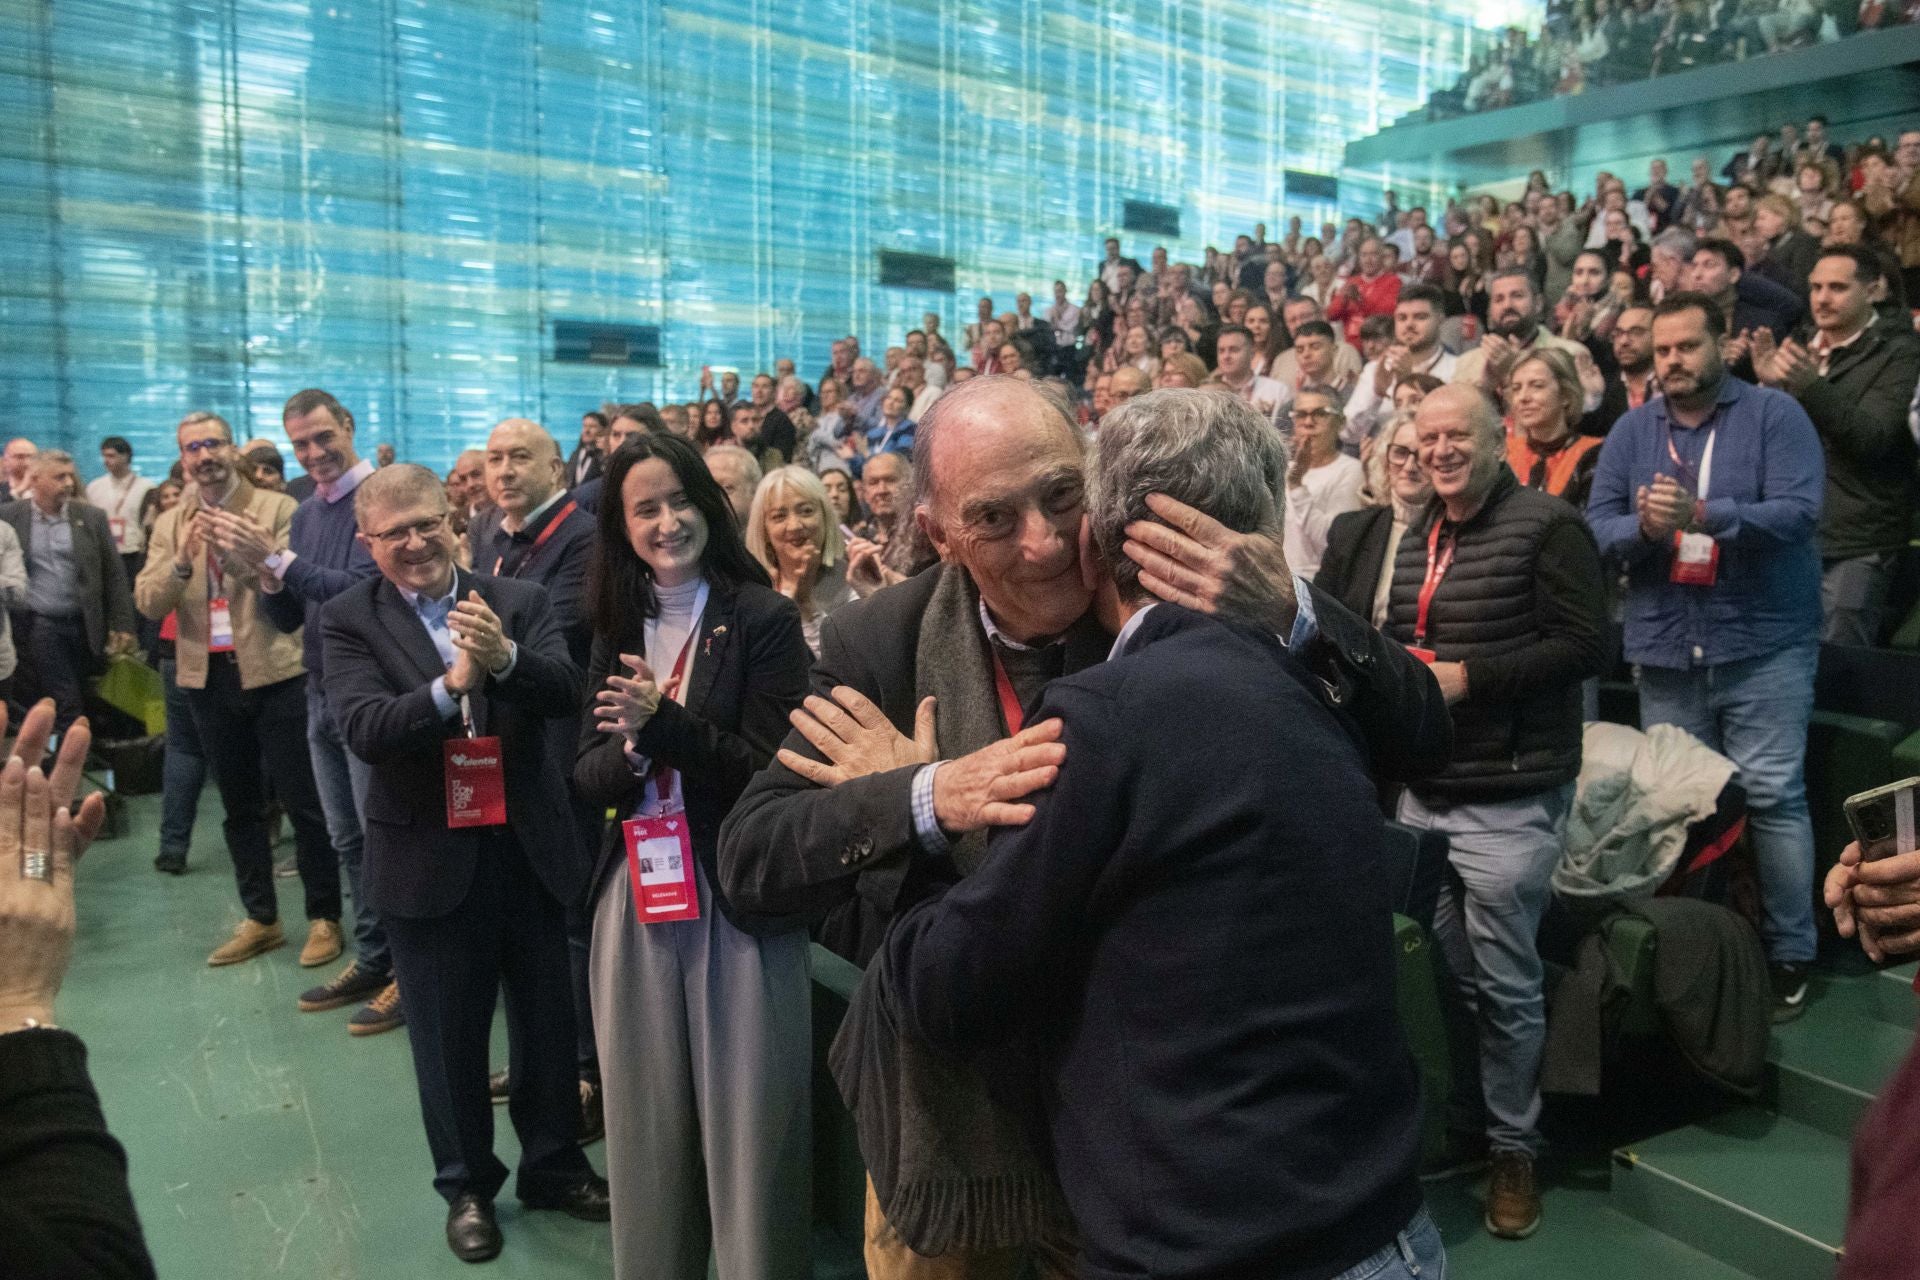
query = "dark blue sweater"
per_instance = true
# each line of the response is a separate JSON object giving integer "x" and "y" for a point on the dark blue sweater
{"x": 1195, "y": 929}
{"x": 328, "y": 559}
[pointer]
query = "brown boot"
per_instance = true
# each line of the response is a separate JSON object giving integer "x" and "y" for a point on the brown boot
{"x": 250, "y": 939}
{"x": 1513, "y": 1202}
{"x": 323, "y": 944}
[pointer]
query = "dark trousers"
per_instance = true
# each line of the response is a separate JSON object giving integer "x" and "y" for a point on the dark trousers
{"x": 247, "y": 736}
{"x": 509, "y": 933}
{"x": 55, "y": 661}
{"x": 184, "y": 772}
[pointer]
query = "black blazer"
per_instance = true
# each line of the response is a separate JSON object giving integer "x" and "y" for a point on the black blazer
{"x": 845, "y": 856}
{"x": 1356, "y": 551}
{"x": 379, "y": 663}
{"x": 749, "y": 671}
{"x": 106, "y": 600}
{"x": 583, "y": 464}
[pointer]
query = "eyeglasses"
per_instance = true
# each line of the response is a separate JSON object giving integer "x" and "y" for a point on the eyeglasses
{"x": 1398, "y": 455}
{"x": 1307, "y": 417}
{"x": 192, "y": 447}
{"x": 401, "y": 535}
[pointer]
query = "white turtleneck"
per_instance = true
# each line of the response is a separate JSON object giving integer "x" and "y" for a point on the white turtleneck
{"x": 666, "y": 633}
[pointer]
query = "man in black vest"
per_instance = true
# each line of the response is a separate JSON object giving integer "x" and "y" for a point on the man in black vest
{"x": 1499, "y": 588}
{"x": 464, "y": 863}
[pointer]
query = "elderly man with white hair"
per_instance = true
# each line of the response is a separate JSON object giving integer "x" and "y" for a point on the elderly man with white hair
{"x": 920, "y": 739}
{"x": 1138, "y": 839}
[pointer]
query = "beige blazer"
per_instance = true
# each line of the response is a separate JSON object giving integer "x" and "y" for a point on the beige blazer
{"x": 265, "y": 654}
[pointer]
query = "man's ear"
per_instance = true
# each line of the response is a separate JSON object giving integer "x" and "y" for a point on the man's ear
{"x": 934, "y": 533}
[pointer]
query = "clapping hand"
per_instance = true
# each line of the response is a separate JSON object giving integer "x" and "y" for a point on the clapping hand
{"x": 1736, "y": 346}
{"x": 243, "y": 541}
{"x": 478, "y": 635}
{"x": 856, "y": 738}
{"x": 627, "y": 702}
{"x": 1664, "y": 508}
{"x": 1793, "y": 367}
{"x": 41, "y": 838}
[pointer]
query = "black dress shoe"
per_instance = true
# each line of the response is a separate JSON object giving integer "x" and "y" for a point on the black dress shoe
{"x": 586, "y": 1200}
{"x": 472, "y": 1233}
{"x": 173, "y": 864}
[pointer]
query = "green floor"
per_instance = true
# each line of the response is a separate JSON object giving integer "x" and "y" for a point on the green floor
{"x": 267, "y": 1142}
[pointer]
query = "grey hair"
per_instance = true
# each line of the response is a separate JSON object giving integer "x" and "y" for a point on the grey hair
{"x": 750, "y": 463}
{"x": 50, "y": 458}
{"x": 399, "y": 485}
{"x": 1213, "y": 452}
{"x": 199, "y": 416}
{"x": 953, "y": 402}
{"x": 1678, "y": 241}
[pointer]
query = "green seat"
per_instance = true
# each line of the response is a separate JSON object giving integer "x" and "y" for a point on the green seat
{"x": 1422, "y": 1021}
{"x": 839, "y": 1175}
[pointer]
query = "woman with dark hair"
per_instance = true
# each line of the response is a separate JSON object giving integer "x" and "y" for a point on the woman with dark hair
{"x": 1269, "y": 339}
{"x": 714, "y": 428}
{"x": 696, "y": 663}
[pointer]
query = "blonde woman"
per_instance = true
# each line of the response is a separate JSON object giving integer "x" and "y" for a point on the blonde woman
{"x": 792, "y": 532}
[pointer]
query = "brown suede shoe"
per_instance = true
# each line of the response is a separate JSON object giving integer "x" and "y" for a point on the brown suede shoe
{"x": 250, "y": 939}
{"x": 1513, "y": 1202}
{"x": 323, "y": 944}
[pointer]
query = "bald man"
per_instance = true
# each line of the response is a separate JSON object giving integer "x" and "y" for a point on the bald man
{"x": 538, "y": 533}
{"x": 15, "y": 463}
{"x": 469, "y": 481}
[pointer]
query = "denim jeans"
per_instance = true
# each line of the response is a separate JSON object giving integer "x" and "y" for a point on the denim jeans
{"x": 342, "y": 779}
{"x": 1755, "y": 712}
{"x": 1502, "y": 859}
{"x": 184, "y": 770}
{"x": 1416, "y": 1254}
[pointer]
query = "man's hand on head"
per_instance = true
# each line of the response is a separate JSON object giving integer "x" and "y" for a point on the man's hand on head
{"x": 1194, "y": 561}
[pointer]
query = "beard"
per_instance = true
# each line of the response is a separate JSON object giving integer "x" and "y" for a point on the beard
{"x": 1521, "y": 327}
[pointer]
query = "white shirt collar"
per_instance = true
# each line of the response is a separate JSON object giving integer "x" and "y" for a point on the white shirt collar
{"x": 349, "y": 481}
{"x": 995, "y": 634}
{"x": 537, "y": 512}
{"x": 1126, "y": 631}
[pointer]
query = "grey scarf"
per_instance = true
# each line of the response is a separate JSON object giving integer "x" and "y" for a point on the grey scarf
{"x": 956, "y": 1149}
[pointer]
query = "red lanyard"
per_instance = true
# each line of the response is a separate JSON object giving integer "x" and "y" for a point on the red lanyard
{"x": 1009, "y": 701}
{"x": 539, "y": 542}
{"x": 663, "y": 774}
{"x": 1438, "y": 563}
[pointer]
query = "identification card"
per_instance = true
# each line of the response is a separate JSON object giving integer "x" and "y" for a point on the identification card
{"x": 219, "y": 624}
{"x": 1696, "y": 559}
{"x": 1427, "y": 656}
{"x": 476, "y": 783}
{"x": 660, "y": 867}
{"x": 117, "y": 525}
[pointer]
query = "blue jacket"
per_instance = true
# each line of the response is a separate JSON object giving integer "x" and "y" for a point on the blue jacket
{"x": 1205, "y": 956}
{"x": 1764, "y": 493}
{"x": 328, "y": 559}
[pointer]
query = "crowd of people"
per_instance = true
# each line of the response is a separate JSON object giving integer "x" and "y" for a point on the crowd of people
{"x": 931, "y": 660}
{"x": 1589, "y": 44}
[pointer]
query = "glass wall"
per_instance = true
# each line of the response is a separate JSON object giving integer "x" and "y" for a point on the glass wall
{"x": 212, "y": 203}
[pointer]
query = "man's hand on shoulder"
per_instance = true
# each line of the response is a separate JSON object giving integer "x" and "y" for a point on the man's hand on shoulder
{"x": 856, "y": 738}
{"x": 985, "y": 789}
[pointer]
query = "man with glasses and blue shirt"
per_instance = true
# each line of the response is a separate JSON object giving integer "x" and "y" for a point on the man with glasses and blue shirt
{"x": 445, "y": 681}
{"x": 246, "y": 686}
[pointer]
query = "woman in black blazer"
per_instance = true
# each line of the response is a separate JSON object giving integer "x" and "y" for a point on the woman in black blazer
{"x": 1357, "y": 569}
{"x": 701, "y": 1011}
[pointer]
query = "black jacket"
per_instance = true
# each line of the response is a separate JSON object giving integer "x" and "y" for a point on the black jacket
{"x": 65, "y": 1208}
{"x": 845, "y": 856}
{"x": 1195, "y": 1101}
{"x": 1524, "y": 607}
{"x": 584, "y": 464}
{"x": 1789, "y": 261}
{"x": 1860, "y": 410}
{"x": 380, "y": 664}
{"x": 1356, "y": 550}
{"x": 749, "y": 672}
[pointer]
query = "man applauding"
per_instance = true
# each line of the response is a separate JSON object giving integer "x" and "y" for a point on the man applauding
{"x": 443, "y": 681}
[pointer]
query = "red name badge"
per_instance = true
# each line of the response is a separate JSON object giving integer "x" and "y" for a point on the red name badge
{"x": 1696, "y": 560}
{"x": 476, "y": 784}
{"x": 1427, "y": 656}
{"x": 660, "y": 868}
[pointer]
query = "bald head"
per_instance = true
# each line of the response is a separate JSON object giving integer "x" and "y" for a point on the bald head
{"x": 467, "y": 482}
{"x": 16, "y": 459}
{"x": 999, "y": 477}
{"x": 523, "y": 469}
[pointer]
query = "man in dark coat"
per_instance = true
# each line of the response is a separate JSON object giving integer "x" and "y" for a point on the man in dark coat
{"x": 444, "y": 681}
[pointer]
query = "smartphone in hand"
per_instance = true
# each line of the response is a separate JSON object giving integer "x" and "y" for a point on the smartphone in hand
{"x": 1883, "y": 819}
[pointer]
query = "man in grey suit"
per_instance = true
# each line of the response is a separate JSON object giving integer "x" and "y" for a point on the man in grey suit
{"x": 79, "y": 609}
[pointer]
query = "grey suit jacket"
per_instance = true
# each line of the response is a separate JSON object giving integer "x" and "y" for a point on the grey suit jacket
{"x": 106, "y": 601}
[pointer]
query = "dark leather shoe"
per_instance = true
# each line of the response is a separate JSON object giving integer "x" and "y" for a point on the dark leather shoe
{"x": 472, "y": 1233}
{"x": 586, "y": 1200}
